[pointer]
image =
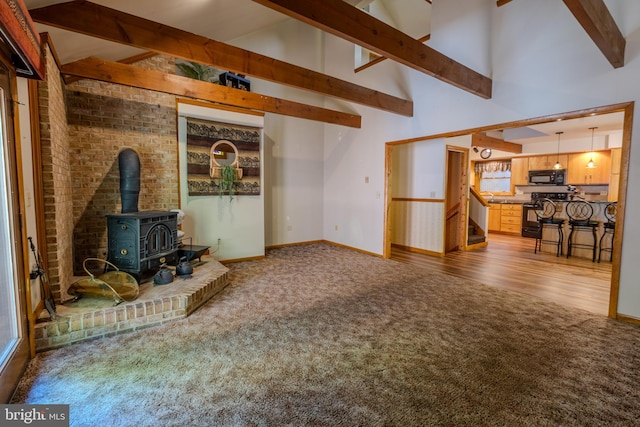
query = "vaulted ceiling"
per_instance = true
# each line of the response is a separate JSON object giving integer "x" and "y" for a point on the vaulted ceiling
{"x": 114, "y": 32}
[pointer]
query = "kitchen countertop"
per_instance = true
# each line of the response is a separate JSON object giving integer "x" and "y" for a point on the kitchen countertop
{"x": 506, "y": 201}
{"x": 598, "y": 207}
{"x": 522, "y": 201}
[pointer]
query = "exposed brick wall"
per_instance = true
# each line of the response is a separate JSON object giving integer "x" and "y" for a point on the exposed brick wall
{"x": 57, "y": 178}
{"x": 104, "y": 119}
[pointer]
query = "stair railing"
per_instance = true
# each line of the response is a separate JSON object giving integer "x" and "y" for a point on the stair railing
{"x": 478, "y": 213}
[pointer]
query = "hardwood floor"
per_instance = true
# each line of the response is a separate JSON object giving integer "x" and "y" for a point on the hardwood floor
{"x": 508, "y": 262}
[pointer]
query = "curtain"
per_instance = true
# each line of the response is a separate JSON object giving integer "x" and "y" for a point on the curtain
{"x": 494, "y": 166}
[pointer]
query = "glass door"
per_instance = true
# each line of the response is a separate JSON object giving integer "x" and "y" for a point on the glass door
{"x": 14, "y": 342}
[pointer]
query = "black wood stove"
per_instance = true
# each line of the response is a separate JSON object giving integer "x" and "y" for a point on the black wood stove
{"x": 140, "y": 242}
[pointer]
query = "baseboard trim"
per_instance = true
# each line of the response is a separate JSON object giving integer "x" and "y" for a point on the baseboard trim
{"x": 418, "y": 250}
{"x": 628, "y": 319}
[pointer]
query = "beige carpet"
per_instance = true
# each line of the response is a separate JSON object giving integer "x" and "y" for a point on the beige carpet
{"x": 320, "y": 335}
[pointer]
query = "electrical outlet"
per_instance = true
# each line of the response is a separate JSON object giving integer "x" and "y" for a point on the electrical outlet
{"x": 289, "y": 227}
{"x": 336, "y": 227}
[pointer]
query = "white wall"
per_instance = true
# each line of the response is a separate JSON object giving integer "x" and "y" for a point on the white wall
{"x": 238, "y": 223}
{"x": 541, "y": 62}
{"x": 419, "y": 170}
{"x": 293, "y": 148}
{"x": 27, "y": 177}
{"x": 294, "y": 180}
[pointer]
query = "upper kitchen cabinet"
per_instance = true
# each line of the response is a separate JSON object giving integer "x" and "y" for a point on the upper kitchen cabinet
{"x": 614, "y": 180}
{"x": 547, "y": 162}
{"x": 519, "y": 171}
{"x": 616, "y": 158}
{"x": 579, "y": 173}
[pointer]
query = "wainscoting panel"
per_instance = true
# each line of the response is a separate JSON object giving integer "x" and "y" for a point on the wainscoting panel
{"x": 418, "y": 224}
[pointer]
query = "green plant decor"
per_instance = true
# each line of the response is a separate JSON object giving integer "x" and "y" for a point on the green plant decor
{"x": 198, "y": 71}
{"x": 228, "y": 175}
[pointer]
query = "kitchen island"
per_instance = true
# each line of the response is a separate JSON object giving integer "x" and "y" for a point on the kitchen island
{"x": 582, "y": 237}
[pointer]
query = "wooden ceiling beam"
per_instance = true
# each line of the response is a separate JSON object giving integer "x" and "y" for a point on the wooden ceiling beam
{"x": 129, "y": 75}
{"x": 109, "y": 24}
{"x": 485, "y": 141}
{"x": 382, "y": 58}
{"x": 68, "y": 79}
{"x": 595, "y": 18}
{"x": 350, "y": 23}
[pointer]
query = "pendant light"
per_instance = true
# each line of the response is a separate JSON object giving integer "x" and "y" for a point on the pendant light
{"x": 558, "y": 165}
{"x": 591, "y": 164}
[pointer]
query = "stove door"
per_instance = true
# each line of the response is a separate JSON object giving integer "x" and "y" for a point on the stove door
{"x": 530, "y": 224}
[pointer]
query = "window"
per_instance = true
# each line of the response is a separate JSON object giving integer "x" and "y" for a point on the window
{"x": 9, "y": 328}
{"x": 494, "y": 177}
{"x": 14, "y": 338}
{"x": 495, "y": 182}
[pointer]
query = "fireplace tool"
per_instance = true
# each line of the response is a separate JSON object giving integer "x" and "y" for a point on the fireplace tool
{"x": 114, "y": 284}
{"x": 49, "y": 302}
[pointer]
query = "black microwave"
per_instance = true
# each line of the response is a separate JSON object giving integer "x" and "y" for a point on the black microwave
{"x": 547, "y": 177}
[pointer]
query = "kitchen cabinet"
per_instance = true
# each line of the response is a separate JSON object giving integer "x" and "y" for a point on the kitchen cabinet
{"x": 578, "y": 172}
{"x": 614, "y": 188}
{"x": 505, "y": 217}
{"x": 511, "y": 218}
{"x": 547, "y": 162}
{"x": 494, "y": 217}
{"x": 614, "y": 178}
{"x": 519, "y": 172}
{"x": 616, "y": 158}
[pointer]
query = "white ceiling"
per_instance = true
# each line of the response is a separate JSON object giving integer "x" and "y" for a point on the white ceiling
{"x": 578, "y": 128}
{"x": 221, "y": 20}
{"x": 225, "y": 20}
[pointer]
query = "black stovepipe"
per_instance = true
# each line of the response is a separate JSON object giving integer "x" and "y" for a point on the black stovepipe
{"x": 129, "y": 164}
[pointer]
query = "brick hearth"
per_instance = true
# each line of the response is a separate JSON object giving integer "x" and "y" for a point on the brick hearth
{"x": 91, "y": 318}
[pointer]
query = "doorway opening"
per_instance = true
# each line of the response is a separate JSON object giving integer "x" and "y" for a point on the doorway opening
{"x": 457, "y": 188}
{"x": 435, "y": 221}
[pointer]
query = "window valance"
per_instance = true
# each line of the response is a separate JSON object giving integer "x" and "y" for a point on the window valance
{"x": 494, "y": 166}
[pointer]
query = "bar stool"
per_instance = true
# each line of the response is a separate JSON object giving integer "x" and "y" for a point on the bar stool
{"x": 545, "y": 210}
{"x": 580, "y": 213}
{"x": 610, "y": 212}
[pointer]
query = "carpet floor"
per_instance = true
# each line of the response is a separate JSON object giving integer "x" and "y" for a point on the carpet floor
{"x": 317, "y": 335}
